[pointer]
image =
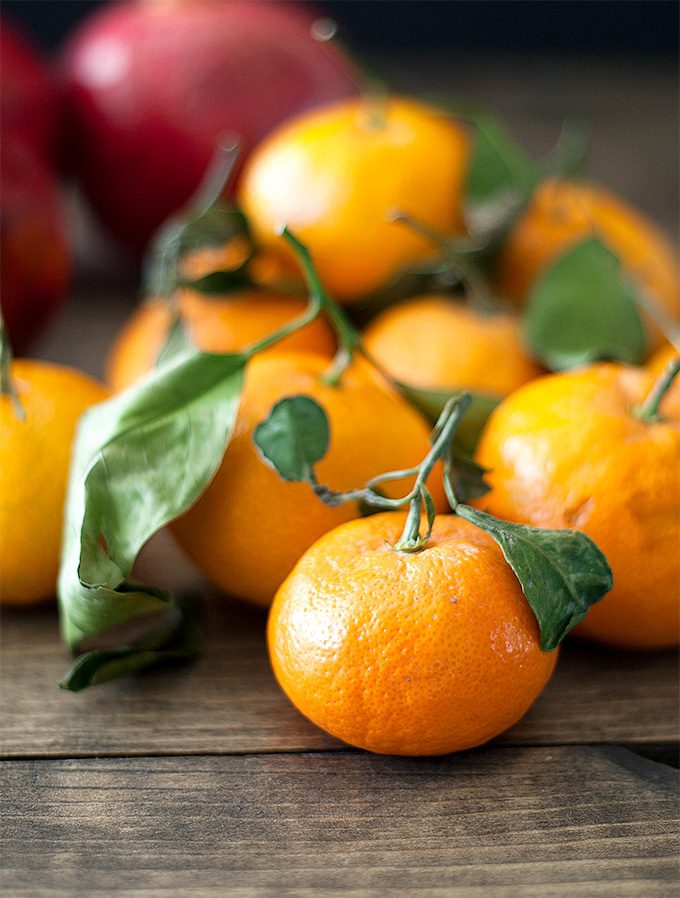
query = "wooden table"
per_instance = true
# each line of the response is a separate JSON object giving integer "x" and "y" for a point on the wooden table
{"x": 202, "y": 781}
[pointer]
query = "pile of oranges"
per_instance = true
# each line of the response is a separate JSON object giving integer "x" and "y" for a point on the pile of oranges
{"x": 409, "y": 653}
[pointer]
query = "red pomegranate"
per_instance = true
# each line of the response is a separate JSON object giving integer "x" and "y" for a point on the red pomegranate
{"x": 152, "y": 84}
{"x": 28, "y": 96}
{"x": 34, "y": 251}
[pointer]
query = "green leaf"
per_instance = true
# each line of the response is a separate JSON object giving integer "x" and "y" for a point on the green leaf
{"x": 467, "y": 476}
{"x": 294, "y": 436}
{"x": 568, "y": 157}
{"x": 140, "y": 460}
{"x": 583, "y": 309}
{"x": 431, "y": 403}
{"x": 215, "y": 226}
{"x": 217, "y": 283}
{"x": 500, "y": 180}
{"x": 181, "y": 643}
{"x": 562, "y": 572}
{"x": 176, "y": 343}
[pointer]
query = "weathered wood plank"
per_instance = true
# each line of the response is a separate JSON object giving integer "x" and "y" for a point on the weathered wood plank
{"x": 228, "y": 700}
{"x": 518, "y": 822}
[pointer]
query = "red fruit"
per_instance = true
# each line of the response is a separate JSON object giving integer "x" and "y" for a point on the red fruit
{"x": 34, "y": 253}
{"x": 28, "y": 98}
{"x": 151, "y": 85}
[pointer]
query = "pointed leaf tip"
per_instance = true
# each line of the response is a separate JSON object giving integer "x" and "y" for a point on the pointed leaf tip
{"x": 562, "y": 572}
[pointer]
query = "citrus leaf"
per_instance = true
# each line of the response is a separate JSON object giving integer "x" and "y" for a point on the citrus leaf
{"x": 500, "y": 180}
{"x": 293, "y": 437}
{"x": 568, "y": 157}
{"x": 217, "y": 283}
{"x": 583, "y": 309}
{"x": 215, "y": 226}
{"x": 562, "y": 572}
{"x": 140, "y": 460}
{"x": 431, "y": 403}
{"x": 177, "y": 342}
{"x": 467, "y": 476}
{"x": 181, "y": 643}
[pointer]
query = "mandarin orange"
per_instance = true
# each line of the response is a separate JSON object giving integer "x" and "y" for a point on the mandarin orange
{"x": 436, "y": 342}
{"x": 569, "y": 451}
{"x": 335, "y": 175}
{"x": 419, "y": 653}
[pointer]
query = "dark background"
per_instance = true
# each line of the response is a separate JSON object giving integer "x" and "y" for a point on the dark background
{"x": 642, "y": 27}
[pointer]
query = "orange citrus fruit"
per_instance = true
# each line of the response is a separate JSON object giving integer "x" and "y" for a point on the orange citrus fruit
{"x": 336, "y": 174}
{"x": 435, "y": 342}
{"x": 215, "y": 324}
{"x": 562, "y": 213}
{"x": 567, "y": 451}
{"x": 35, "y": 455}
{"x": 410, "y": 654}
{"x": 250, "y": 527}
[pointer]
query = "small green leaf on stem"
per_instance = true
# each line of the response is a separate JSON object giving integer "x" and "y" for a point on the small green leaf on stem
{"x": 562, "y": 572}
{"x": 294, "y": 436}
{"x": 583, "y": 309}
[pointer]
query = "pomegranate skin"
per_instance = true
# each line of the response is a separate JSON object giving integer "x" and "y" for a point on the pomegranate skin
{"x": 28, "y": 93}
{"x": 35, "y": 261}
{"x": 150, "y": 86}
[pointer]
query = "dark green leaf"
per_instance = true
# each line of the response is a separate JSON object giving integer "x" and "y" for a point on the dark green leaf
{"x": 500, "y": 179}
{"x": 582, "y": 309}
{"x": 216, "y": 283}
{"x": 293, "y": 437}
{"x": 467, "y": 476}
{"x": 431, "y": 403}
{"x": 562, "y": 572}
{"x": 140, "y": 460}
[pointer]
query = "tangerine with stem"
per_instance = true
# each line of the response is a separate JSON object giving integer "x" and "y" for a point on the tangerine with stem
{"x": 573, "y": 450}
{"x": 333, "y": 176}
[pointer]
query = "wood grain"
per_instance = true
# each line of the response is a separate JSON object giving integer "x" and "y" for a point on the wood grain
{"x": 228, "y": 701}
{"x": 527, "y": 822}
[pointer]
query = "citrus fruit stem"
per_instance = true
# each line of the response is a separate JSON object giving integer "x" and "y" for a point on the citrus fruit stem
{"x": 464, "y": 270}
{"x": 320, "y": 301}
{"x": 217, "y": 176}
{"x": 7, "y": 387}
{"x": 649, "y": 410}
{"x": 445, "y": 428}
